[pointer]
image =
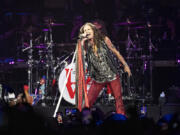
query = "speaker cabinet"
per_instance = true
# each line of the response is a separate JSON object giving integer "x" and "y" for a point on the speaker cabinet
{"x": 163, "y": 79}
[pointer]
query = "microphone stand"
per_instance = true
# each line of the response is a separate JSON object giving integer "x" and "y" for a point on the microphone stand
{"x": 54, "y": 70}
{"x": 63, "y": 87}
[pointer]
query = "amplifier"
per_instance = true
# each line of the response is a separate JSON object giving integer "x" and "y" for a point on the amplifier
{"x": 165, "y": 74}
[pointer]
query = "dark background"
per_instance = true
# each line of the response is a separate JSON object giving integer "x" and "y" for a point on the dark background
{"x": 163, "y": 15}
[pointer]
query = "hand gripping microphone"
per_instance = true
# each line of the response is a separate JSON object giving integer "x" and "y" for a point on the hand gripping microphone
{"x": 81, "y": 36}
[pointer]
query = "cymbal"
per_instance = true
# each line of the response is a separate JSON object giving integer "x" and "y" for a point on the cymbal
{"x": 57, "y": 24}
{"x": 54, "y": 24}
{"x": 146, "y": 57}
{"x": 155, "y": 26}
{"x": 148, "y": 27}
{"x": 140, "y": 27}
{"x": 126, "y": 23}
{"x": 66, "y": 44}
{"x": 134, "y": 49}
{"x": 143, "y": 57}
{"x": 41, "y": 46}
{"x": 45, "y": 29}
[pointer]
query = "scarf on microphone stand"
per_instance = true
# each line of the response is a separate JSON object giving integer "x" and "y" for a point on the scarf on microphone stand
{"x": 81, "y": 86}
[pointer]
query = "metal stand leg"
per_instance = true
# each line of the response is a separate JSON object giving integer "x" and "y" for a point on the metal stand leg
{"x": 55, "y": 98}
{"x": 63, "y": 88}
{"x": 54, "y": 72}
{"x": 151, "y": 46}
{"x": 30, "y": 64}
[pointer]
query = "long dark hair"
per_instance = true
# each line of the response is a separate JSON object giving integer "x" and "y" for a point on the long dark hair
{"x": 98, "y": 36}
{"x": 103, "y": 29}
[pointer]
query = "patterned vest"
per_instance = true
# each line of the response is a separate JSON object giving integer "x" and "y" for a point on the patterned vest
{"x": 101, "y": 68}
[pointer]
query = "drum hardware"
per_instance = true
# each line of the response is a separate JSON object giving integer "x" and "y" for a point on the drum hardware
{"x": 128, "y": 86}
{"x": 137, "y": 58}
{"x": 37, "y": 40}
{"x": 66, "y": 45}
{"x": 40, "y": 46}
{"x": 63, "y": 88}
{"x": 130, "y": 90}
{"x": 57, "y": 24}
{"x": 30, "y": 63}
{"x": 63, "y": 61}
{"x": 127, "y": 23}
{"x": 50, "y": 21}
{"x": 129, "y": 41}
{"x": 49, "y": 59}
{"x": 45, "y": 52}
{"x": 148, "y": 26}
{"x": 59, "y": 64}
{"x": 151, "y": 46}
{"x": 147, "y": 62}
{"x": 133, "y": 49}
{"x": 144, "y": 59}
{"x": 139, "y": 27}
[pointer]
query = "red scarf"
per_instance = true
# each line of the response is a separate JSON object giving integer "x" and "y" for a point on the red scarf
{"x": 80, "y": 79}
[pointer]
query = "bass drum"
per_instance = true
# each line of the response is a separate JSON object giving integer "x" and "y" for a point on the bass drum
{"x": 69, "y": 92}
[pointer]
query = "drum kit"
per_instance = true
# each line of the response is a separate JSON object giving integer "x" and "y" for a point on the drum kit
{"x": 139, "y": 55}
{"x": 42, "y": 62}
{"x": 38, "y": 51}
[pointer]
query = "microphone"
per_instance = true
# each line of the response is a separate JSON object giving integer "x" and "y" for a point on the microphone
{"x": 81, "y": 36}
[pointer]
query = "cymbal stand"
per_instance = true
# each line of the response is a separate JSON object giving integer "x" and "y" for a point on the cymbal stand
{"x": 144, "y": 66}
{"x": 54, "y": 71}
{"x": 128, "y": 50}
{"x": 63, "y": 87}
{"x": 145, "y": 60}
{"x": 30, "y": 64}
{"x": 151, "y": 46}
{"x": 129, "y": 43}
{"x": 49, "y": 58}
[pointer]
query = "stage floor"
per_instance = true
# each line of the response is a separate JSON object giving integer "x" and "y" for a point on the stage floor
{"x": 153, "y": 111}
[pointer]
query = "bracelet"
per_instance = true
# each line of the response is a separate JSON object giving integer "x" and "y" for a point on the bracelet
{"x": 125, "y": 64}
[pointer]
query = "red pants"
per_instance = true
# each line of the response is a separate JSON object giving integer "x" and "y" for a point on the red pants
{"x": 115, "y": 86}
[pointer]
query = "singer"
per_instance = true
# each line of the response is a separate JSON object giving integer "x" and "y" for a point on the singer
{"x": 95, "y": 48}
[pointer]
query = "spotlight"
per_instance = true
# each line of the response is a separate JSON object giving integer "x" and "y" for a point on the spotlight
{"x": 178, "y": 61}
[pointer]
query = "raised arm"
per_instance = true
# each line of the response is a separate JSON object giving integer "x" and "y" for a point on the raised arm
{"x": 119, "y": 56}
